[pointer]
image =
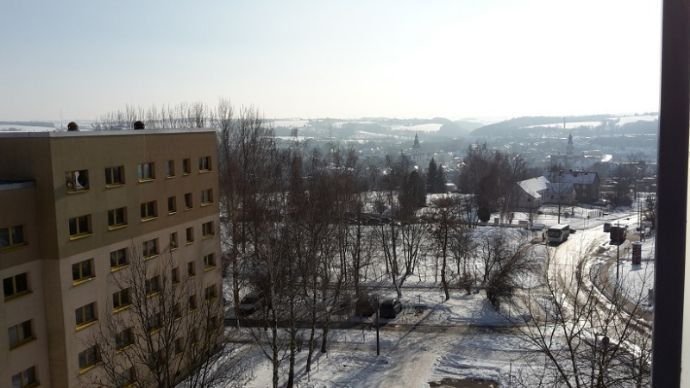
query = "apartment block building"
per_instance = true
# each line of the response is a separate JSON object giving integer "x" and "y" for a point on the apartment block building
{"x": 76, "y": 209}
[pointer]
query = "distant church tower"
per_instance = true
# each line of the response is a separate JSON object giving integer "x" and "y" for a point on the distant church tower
{"x": 416, "y": 142}
{"x": 570, "y": 149}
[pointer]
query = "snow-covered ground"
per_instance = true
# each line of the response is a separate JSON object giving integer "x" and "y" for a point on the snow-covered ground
{"x": 636, "y": 279}
{"x": 464, "y": 346}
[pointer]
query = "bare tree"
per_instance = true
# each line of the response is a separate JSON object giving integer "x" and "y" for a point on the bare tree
{"x": 444, "y": 223}
{"x": 584, "y": 339}
{"x": 165, "y": 328}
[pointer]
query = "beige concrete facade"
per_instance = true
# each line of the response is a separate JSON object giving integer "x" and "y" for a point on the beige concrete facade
{"x": 56, "y": 238}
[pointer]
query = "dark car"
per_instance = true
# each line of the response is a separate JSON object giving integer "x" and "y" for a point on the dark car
{"x": 365, "y": 305}
{"x": 390, "y": 308}
{"x": 250, "y": 304}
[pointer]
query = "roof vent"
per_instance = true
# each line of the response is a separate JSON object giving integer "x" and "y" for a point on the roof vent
{"x": 72, "y": 127}
{"x": 139, "y": 125}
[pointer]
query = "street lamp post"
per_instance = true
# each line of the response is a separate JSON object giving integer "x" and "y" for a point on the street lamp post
{"x": 618, "y": 251}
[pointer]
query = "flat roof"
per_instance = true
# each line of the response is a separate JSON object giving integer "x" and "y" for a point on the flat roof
{"x": 124, "y": 132}
{"x": 15, "y": 184}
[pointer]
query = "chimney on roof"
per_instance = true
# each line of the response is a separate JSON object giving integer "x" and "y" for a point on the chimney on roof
{"x": 139, "y": 125}
{"x": 72, "y": 127}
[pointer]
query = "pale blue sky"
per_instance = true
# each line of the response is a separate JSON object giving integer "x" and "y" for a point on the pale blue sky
{"x": 455, "y": 58}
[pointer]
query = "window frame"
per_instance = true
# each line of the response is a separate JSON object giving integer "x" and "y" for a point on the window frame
{"x": 186, "y": 166}
{"x": 206, "y": 197}
{"x": 91, "y": 357}
{"x": 148, "y": 210}
{"x": 205, "y": 164}
{"x": 117, "y": 254}
{"x": 189, "y": 235}
{"x": 79, "y": 233}
{"x": 12, "y": 237}
{"x": 83, "y": 318}
{"x": 152, "y": 285}
{"x": 146, "y": 172}
{"x": 188, "y": 201}
{"x": 122, "y": 299}
{"x": 117, "y": 218}
{"x": 209, "y": 261}
{"x": 172, "y": 200}
{"x": 150, "y": 248}
{"x": 208, "y": 230}
{"x": 24, "y": 333}
{"x": 170, "y": 169}
{"x": 124, "y": 338}
{"x": 15, "y": 291}
{"x": 112, "y": 174}
{"x": 27, "y": 378}
{"x": 79, "y": 266}
{"x": 72, "y": 183}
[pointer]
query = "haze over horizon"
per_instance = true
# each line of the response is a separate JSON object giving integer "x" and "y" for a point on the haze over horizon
{"x": 454, "y": 59}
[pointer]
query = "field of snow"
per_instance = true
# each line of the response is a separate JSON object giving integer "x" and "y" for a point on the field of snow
{"x": 411, "y": 357}
{"x": 631, "y": 119}
{"x": 290, "y": 123}
{"x": 431, "y": 127}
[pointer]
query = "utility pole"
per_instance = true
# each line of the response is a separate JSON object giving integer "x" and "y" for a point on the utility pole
{"x": 378, "y": 307}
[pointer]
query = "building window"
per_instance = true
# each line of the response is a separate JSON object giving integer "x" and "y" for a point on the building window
{"x": 149, "y": 210}
{"x": 153, "y": 285}
{"x": 25, "y": 379}
{"x": 12, "y": 236}
{"x": 85, "y": 314}
{"x": 171, "y": 168}
{"x": 207, "y": 229}
{"x": 175, "y": 272}
{"x": 119, "y": 258}
{"x": 20, "y": 334}
{"x": 189, "y": 233}
{"x": 210, "y": 260}
{"x": 154, "y": 322}
{"x": 207, "y": 196}
{"x": 188, "y": 201}
{"x": 121, "y": 299}
{"x": 115, "y": 176}
{"x": 172, "y": 205}
{"x": 186, "y": 166}
{"x": 80, "y": 226}
{"x": 83, "y": 270}
{"x": 88, "y": 358}
{"x": 173, "y": 241}
{"x": 205, "y": 163}
{"x": 191, "y": 269}
{"x": 210, "y": 292}
{"x": 117, "y": 217}
{"x": 146, "y": 171}
{"x": 77, "y": 180}
{"x": 192, "y": 302}
{"x": 124, "y": 338}
{"x": 126, "y": 378}
{"x": 16, "y": 285}
{"x": 150, "y": 248}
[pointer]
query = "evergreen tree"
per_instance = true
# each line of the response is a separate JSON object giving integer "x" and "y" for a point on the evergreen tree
{"x": 431, "y": 176}
{"x": 440, "y": 180}
{"x": 412, "y": 194}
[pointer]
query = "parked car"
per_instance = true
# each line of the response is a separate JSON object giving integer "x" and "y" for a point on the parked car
{"x": 250, "y": 303}
{"x": 390, "y": 308}
{"x": 365, "y": 305}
